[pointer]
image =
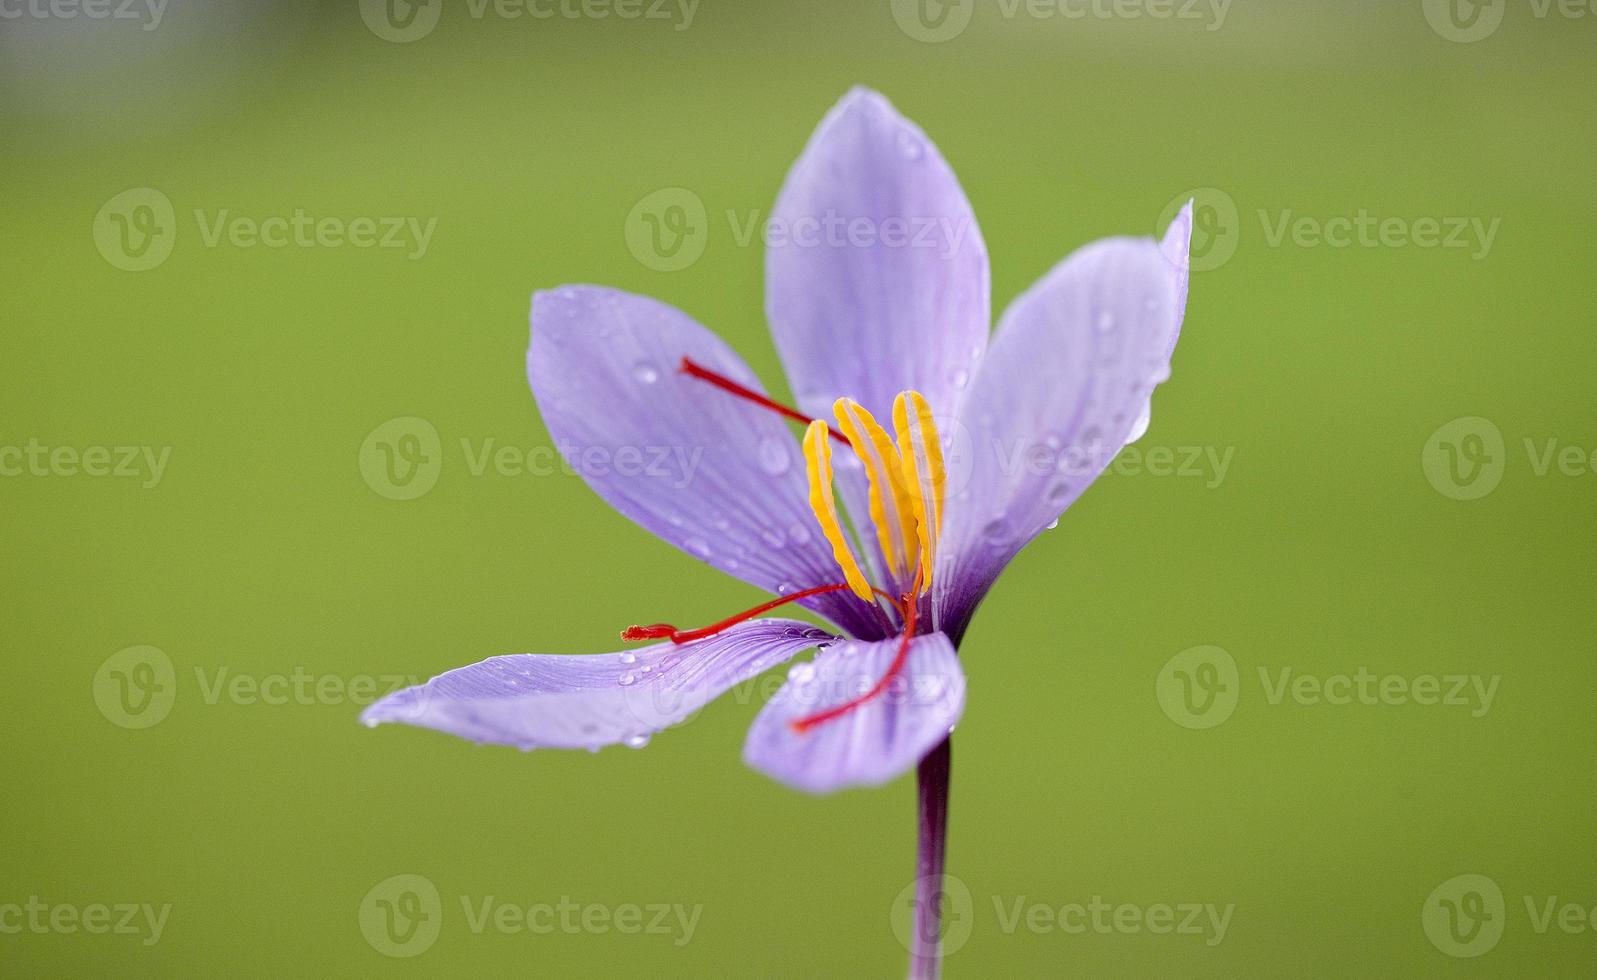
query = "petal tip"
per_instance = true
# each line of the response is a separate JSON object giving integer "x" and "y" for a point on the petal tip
{"x": 1177, "y": 240}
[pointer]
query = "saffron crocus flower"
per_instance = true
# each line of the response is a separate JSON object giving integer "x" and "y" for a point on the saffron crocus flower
{"x": 947, "y": 456}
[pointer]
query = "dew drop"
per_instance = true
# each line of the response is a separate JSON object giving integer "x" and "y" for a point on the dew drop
{"x": 1139, "y": 428}
{"x": 627, "y": 680}
{"x": 773, "y": 537}
{"x": 775, "y": 457}
{"x": 910, "y": 146}
{"x": 798, "y": 534}
{"x": 960, "y": 378}
{"x": 1059, "y": 495}
{"x": 1051, "y": 524}
{"x": 801, "y": 673}
{"x": 784, "y": 588}
{"x": 645, "y": 372}
{"x": 635, "y": 741}
{"x": 629, "y": 658}
{"x": 996, "y": 530}
{"x": 645, "y": 668}
{"x": 698, "y": 546}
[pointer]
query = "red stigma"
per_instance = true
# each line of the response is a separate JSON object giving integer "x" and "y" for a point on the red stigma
{"x": 660, "y": 631}
{"x": 693, "y": 368}
{"x": 801, "y": 726}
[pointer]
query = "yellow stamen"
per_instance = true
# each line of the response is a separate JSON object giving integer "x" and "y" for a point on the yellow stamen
{"x": 920, "y": 452}
{"x": 818, "y": 459}
{"x": 891, "y": 510}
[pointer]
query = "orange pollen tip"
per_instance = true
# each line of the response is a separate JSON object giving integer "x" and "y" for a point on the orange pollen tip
{"x": 694, "y": 369}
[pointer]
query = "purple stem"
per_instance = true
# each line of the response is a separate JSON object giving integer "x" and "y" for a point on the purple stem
{"x": 925, "y": 958}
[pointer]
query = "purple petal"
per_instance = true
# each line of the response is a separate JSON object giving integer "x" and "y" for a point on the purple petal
{"x": 872, "y": 743}
{"x": 876, "y": 273}
{"x": 1067, "y": 384}
{"x": 709, "y": 472}
{"x": 535, "y": 701}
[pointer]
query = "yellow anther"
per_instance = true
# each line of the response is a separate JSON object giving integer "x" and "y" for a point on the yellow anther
{"x": 920, "y": 452}
{"x": 891, "y": 511}
{"x": 818, "y": 460}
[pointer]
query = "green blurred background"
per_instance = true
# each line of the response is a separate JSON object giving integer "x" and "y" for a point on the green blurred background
{"x": 1337, "y": 538}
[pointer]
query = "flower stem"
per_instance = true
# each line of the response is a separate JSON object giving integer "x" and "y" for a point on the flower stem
{"x": 925, "y": 958}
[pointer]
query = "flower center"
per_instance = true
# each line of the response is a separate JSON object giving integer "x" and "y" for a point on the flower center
{"x": 906, "y": 485}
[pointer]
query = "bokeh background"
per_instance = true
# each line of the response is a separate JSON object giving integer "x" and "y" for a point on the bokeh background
{"x": 1350, "y": 524}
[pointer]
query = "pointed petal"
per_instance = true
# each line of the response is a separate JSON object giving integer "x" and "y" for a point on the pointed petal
{"x": 712, "y": 474}
{"x": 534, "y": 701}
{"x": 874, "y": 742}
{"x": 1067, "y": 384}
{"x": 876, "y": 273}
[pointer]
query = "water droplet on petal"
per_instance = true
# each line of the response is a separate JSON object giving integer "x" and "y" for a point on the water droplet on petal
{"x": 627, "y": 680}
{"x": 635, "y": 741}
{"x": 801, "y": 673}
{"x": 1052, "y": 524}
{"x": 773, "y": 537}
{"x": 698, "y": 546}
{"x": 629, "y": 658}
{"x": 645, "y": 668}
{"x": 646, "y": 372}
{"x": 1139, "y": 428}
{"x": 775, "y": 457}
{"x": 798, "y": 534}
{"x": 960, "y": 378}
{"x": 910, "y": 146}
{"x": 996, "y": 529}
